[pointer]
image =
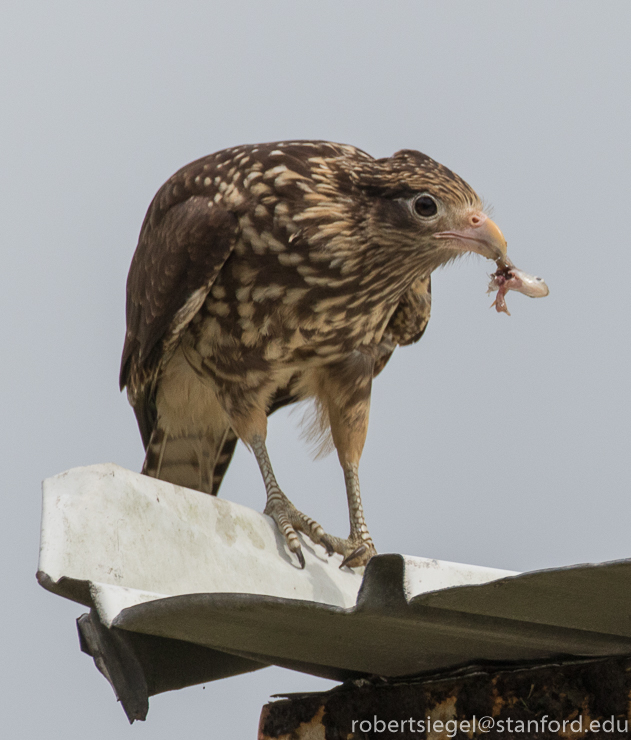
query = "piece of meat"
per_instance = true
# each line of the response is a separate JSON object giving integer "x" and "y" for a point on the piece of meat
{"x": 508, "y": 277}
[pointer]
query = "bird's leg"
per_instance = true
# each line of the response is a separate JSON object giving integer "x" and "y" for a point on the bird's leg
{"x": 359, "y": 547}
{"x": 345, "y": 393}
{"x": 287, "y": 517}
{"x": 359, "y": 531}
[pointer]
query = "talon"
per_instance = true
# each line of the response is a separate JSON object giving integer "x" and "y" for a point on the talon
{"x": 328, "y": 547}
{"x": 357, "y": 552}
{"x": 357, "y": 548}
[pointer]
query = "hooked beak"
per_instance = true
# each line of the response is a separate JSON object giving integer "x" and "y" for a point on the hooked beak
{"x": 481, "y": 236}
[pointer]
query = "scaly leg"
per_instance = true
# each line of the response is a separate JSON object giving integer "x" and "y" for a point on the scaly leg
{"x": 359, "y": 547}
{"x": 246, "y": 411}
{"x": 343, "y": 390}
{"x": 287, "y": 517}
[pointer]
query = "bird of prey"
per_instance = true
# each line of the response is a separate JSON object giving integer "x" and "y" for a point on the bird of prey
{"x": 268, "y": 274}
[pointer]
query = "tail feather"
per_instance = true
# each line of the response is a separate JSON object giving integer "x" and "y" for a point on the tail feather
{"x": 192, "y": 442}
{"x": 223, "y": 460}
{"x": 197, "y": 462}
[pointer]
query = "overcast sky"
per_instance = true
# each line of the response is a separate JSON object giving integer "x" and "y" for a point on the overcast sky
{"x": 499, "y": 441}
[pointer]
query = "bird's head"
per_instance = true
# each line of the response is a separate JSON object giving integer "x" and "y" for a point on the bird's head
{"x": 417, "y": 203}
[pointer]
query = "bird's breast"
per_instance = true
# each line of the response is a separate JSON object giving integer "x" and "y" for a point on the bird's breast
{"x": 270, "y": 307}
{"x": 275, "y": 325}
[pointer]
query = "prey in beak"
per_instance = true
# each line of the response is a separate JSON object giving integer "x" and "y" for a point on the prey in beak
{"x": 482, "y": 236}
{"x": 508, "y": 277}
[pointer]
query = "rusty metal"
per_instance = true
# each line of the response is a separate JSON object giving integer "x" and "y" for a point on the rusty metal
{"x": 570, "y": 700}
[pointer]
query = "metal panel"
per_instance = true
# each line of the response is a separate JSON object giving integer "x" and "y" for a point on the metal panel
{"x": 157, "y": 559}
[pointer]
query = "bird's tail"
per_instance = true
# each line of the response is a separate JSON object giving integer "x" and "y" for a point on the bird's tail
{"x": 198, "y": 462}
{"x": 191, "y": 441}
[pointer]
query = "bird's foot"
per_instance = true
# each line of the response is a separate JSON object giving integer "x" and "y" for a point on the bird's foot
{"x": 290, "y": 521}
{"x": 356, "y": 550}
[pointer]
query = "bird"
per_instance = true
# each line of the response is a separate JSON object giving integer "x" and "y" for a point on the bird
{"x": 274, "y": 273}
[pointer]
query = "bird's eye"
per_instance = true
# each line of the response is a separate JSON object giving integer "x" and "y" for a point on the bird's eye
{"x": 425, "y": 206}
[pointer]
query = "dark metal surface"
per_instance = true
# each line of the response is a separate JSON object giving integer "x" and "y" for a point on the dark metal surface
{"x": 138, "y": 666}
{"x": 523, "y": 618}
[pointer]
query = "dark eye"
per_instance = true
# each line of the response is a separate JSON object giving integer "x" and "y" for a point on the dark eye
{"x": 425, "y": 206}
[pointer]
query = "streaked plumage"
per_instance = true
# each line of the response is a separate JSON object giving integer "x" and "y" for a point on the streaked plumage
{"x": 272, "y": 273}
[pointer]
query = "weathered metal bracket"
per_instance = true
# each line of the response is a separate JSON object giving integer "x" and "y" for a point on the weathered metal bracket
{"x": 138, "y": 666}
{"x": 115, "y": 657}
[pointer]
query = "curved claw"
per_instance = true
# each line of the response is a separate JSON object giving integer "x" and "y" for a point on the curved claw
{"x": 301, "y": 558}
{"x": 327, "y": 546}
{"x": 361, "y": 550}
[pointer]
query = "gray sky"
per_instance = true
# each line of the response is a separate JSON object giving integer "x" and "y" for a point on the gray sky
{"x": 496, "y": 441}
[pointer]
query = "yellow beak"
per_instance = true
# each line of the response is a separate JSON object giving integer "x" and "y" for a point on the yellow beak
{"x": 481, "y": 236}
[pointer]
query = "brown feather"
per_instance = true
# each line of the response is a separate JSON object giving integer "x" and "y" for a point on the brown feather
{"x": 269, "y": 274}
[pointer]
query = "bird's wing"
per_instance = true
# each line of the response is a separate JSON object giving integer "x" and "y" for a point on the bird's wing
{"x": 408, "y": 322}
{"x": 182, "y": 247}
